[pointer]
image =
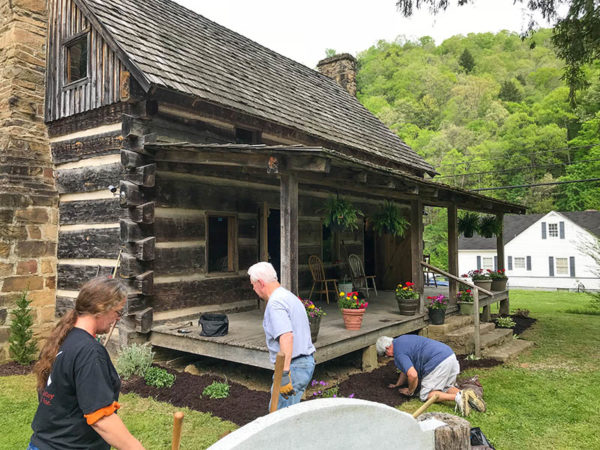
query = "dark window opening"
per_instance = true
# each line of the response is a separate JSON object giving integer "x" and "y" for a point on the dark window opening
{"x": 77, "y": 59}
{"x": 221, "y": 244}
{"x": 246, "y": 136}
{"x": 327, "y": 244}
{"x": 274, "y": 239}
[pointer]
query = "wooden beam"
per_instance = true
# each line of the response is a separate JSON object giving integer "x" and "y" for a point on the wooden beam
{"x": 143, "y": 176}
{"x": 452, "y": 251}
{"x": 143, "y": 213}
{"x": 264, "y": 232}
{"x": 289, "y": 231}
{"x": 500, "y": 242}
{"x": 145, "y": 282}
{"x": 143, "y": 320}
{"x": 129, "y": 194}
{"x": 416, "y": 247}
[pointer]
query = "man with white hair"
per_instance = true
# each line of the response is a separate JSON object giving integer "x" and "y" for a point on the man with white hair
{"x": 433, "y": 364}
{"x": 287, "y": 330}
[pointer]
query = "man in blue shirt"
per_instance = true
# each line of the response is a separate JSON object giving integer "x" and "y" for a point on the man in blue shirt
{"x": 287, "y": 330}
{"x": 433, "y": 365}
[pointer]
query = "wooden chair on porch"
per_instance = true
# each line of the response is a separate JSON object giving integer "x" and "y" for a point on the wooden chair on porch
{"x": 318, "y": 275}
{"x": 359, "y": 279}
{"x": 427, "y": 273}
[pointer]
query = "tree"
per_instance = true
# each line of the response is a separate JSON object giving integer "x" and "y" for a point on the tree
{"x": 509, "y": 92}
{"x": 329, "y": 52}
{"x": 466, "y": 60}
{"x": 22, "y": 346}
{"x": 575, "y": 36}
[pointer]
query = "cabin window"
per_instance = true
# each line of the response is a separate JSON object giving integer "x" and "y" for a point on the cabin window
{"x": 243, "y": 136}
{"x": 519, "y": 262}
{"x": 487, "y": 263}
{"x": 553, "y": 229}
{"x": 77, "y": 59}
{"x": 562, "y": 266}
{"x": 221, "y": 248}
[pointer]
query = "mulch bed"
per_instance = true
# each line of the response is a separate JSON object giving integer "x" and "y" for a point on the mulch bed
{"x": 521, "y": 323}
{"x": 244, "y": 405}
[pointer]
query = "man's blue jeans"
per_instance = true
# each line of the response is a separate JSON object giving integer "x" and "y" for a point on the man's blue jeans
{"x": 301, "y": 369}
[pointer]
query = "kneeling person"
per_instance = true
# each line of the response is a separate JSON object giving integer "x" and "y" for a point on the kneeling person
{"x": 431, "y": 363}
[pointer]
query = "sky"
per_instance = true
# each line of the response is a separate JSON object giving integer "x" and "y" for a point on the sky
{"x": 303, "y": 30}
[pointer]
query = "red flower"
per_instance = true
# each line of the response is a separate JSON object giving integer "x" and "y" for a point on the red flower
{"x": 469, "y": 291}
{"x": 409, "y": 284}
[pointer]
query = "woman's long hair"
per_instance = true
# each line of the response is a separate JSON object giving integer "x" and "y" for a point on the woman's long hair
{"x": 97, "y": 296}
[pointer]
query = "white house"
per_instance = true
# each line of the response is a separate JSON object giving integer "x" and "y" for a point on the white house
{"x": 542, "y": 251}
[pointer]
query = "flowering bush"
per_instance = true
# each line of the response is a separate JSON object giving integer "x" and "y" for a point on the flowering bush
{"x": 478, "y": 274}
{"x": 406, "y": 291}
{"x": 350, "y": 300}
{"x": 497, "y": 275}
{"x": 465, "y": 296}
{"x": 312, "y": 310}
{"x": 437, "y": 302}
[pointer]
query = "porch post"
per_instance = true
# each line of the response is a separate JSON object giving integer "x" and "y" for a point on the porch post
{"x": 416, "y": 247}
{"x": 289, "y": 231}
{"x": 452, "y": 252}
{"x": 504, "y": 304}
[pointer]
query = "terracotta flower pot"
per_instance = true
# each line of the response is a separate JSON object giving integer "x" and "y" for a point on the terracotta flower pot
{"x": 437, "y": 316}
{"x": 499, "y": 285}
{"x": 408, "y": 306}
{"x": 315, "y": 324}
{"x": 353, "y": 318}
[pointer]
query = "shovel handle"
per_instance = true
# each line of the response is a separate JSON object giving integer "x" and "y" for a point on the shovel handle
{"x": 177, "y": 422}
{"x": 279, "y": 361}
{"x": 426, "y": 405}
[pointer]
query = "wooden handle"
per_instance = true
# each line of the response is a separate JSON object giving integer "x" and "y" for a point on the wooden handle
{"x": 279, "y": 361}
{"x": 112, "y": 328}
{"x": 177, "y": 422}
{"x": 426, "y": 405}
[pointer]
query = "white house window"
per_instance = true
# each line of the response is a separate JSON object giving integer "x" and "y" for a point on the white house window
{"x": 553, "y": 229}
{"x": 562, "y": 266}
{"x": 487, "y": 263}
{"x": 519, "y": 263}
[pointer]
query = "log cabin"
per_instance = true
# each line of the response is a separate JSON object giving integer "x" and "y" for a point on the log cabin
{"x": 218, "y": 153}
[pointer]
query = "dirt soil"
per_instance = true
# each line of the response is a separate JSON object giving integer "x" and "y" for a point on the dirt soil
{"x": 246, "y": 404}
{"x": 521, "y": 323}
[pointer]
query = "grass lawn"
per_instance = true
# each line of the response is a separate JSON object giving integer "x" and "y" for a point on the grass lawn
{"x": 545, "y": 399}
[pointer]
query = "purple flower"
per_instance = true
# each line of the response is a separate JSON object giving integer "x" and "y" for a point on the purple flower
{"x": 351, "y": 395}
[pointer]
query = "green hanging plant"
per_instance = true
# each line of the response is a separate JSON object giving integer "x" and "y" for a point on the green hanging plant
{"x": 340, "y": 214}
{"x": 468, "y": 223}
{"x": 390, "y": 220}
{"x": 489, "y": 226}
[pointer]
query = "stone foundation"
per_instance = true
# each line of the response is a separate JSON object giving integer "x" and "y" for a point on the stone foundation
{"x": 28, "y": 196}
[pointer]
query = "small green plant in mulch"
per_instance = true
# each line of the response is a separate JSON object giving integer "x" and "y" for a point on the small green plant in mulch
{"x": 505, "y": 322}
{"x": 472, "y": 357}
{"x": 23, "y": 347}
{"x": 216, "y": 390}
{"x": 159, "y": 377}
{"x": 134, "y": 359}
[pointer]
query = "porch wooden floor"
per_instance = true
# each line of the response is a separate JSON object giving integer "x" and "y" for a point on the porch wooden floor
{"x": 245, "y": 342}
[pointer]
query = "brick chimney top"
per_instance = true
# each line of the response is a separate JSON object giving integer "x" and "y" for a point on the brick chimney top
{"x": 342, "y": 69}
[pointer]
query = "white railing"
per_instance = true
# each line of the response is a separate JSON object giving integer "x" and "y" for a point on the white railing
{"x": 476, "y": 289}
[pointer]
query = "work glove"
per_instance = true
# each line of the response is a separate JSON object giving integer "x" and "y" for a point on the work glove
{"x": 286, "y": 389}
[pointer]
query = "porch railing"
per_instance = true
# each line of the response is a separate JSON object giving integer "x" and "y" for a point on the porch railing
{"x": 475, "y": 289}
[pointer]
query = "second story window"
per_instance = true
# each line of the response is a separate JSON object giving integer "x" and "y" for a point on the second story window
{"x": 77, "y": 58}
{"x": 553, "y": 229}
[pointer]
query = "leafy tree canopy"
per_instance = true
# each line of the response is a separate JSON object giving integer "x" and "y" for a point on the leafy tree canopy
{"x": 576, "y": 36}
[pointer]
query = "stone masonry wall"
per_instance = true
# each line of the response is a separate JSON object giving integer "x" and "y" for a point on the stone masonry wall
{"x": 342, "y": 68}
{"x": 28, "y": 196}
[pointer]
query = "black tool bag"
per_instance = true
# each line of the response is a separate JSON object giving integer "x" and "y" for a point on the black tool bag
{"x": 213, "y": 325}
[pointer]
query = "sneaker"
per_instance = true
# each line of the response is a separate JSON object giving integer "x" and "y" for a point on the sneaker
{"x": 462, "y": 404}
{"x": 474, "y": 402}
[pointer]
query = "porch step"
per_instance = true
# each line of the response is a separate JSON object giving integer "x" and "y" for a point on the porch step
{"x": 451, "y": 323}
{"x": 496, "y": 337}
{"x": 461, "y": 339}
{"x": 508, "y": 350}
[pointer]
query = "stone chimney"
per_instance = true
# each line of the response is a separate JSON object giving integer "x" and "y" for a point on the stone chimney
{"x": 28, "y": 196}
{"x": 341, "y": 68}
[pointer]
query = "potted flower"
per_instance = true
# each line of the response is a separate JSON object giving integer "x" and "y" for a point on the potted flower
{"x": 340, "y": 214}
{"x": 468, "y": 223}
{"x": 437, "y": 309}
{"x": 353, "y": 309}
{"x": 481, "y": 278}
{"x": 499, "y": 279}
{"x": 465, "y": 302}
{"x": 407, "y": 298}
{"x": 314, "y": 314}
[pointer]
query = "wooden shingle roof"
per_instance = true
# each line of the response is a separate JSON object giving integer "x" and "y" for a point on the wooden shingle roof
{"x": 172, "y": 47}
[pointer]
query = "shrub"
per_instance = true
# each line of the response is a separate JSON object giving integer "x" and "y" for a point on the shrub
{"x": 216, "y": 390}
{"x": 23, "y": 347}
{"x": 505, "y": 322}
{"x": 134, "y": 360}
{"x": 159, "y": 377}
